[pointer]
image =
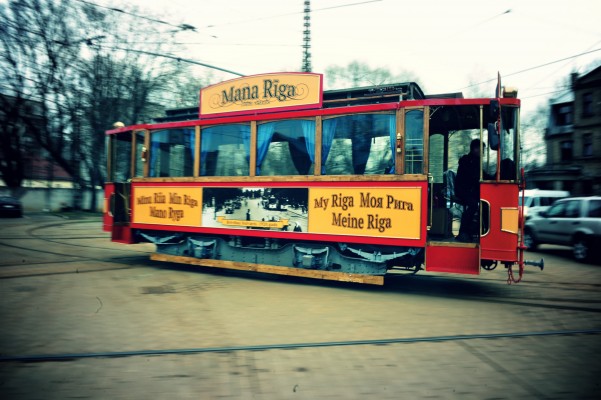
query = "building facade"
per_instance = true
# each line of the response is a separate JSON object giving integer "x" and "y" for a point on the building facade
{"x": 573, "y": 139}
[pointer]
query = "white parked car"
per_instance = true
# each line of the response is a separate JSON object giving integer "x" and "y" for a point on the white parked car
{"x": 536, "y": 200}
{"x": 572, "y": 222}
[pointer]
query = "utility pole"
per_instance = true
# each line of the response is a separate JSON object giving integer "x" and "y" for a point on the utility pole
{"x": 307, "y": 38}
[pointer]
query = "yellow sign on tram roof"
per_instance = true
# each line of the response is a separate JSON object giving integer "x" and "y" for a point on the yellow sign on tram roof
{"x": 262, "y": 93}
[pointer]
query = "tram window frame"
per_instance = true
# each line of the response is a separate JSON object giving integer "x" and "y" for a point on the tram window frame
{"x": 390, "y": 167}
{"x": 166, "y": 157}
{"x": 458, "y": 124}
{"x": 246, "y": 141}
{"x": 140, "y": 149}
{"x": 117, "y": 154}
{"x": 265, "y": 147}
{"x": 507, "y": 171}
{"x": 424, "y": 137}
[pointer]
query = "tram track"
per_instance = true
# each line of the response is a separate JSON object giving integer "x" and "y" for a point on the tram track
{"x": 33, "y": 236}
{"x": 396, "y": 284}
{"x": 290, "y": 346}
{"x": 68, "y": 257}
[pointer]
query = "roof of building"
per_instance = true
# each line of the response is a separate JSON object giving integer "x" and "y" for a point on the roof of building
{"x": 590, "y": 73}
{"x": 566, "y": 97}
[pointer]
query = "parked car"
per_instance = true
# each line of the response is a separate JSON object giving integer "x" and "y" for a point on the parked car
{"x": 10, "y": 206}
{"x": 572, "y": 222}
{"x": 536, "y": 200}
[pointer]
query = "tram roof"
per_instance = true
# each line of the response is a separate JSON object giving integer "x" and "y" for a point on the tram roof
{"x": 363, "y": 95}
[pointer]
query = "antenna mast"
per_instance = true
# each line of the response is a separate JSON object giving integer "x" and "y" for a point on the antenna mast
{"x": 307, "y": 38}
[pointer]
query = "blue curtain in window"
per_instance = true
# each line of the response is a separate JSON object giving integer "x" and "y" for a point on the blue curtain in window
{"x": 327, "y": 138}
{"x": 308, "y": 128}
{"x": 156, "y": 138}
{"x": 206, "y": 145}
{"x": 191, "y": 141}
{"x": 264, "y": 135}
{"x": 392, "y": 130}
{"x": 245, "y": 131}
{"x": 213, "y": 137}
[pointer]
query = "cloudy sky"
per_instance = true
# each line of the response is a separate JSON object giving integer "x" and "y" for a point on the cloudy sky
{"x": 448, "y": 44}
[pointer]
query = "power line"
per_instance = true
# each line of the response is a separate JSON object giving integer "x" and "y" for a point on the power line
{"x": 173, "y": 58}
{"x": 562, "y": 66}
{"x": 544, "y": 94}
{"x": 292, "y": 13}
{"x": 479, "y": 23}
{"x": 222, "y": 44}
{"x": 533, "y": 68}
{"x": 182, "y": 27}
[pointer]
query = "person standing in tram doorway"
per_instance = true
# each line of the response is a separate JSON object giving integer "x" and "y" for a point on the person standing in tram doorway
{"x": 467, "y": 191}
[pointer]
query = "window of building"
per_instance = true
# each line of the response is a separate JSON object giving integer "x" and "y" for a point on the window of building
{"x": 225, "y": 150}
{"x": 587, "y": 145}
{"x": 358, "y": 144}
{"x": 172, "y": 152}
{"x": 564, "y": 115}
{"x": 587, "y": 105}
{"x": 566, "y": 150}
{"x": 286, "y": 147}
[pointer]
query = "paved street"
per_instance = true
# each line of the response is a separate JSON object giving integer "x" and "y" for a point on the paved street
{"x": 68, "y": 292}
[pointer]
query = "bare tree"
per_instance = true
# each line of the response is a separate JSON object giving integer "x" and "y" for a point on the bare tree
{"x": 80, "y": 83}
{"x": 358, "y": 73}
{"x": 532, "y": 135}
{"x": 36, "y": 61}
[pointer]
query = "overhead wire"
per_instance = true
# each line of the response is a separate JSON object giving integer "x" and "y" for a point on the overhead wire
{"x": 547, "y": 93}
{"x": 183, "y": 27}
{"x": 292, "y": 13}
{"x": 560, "y": 67}
{"x": 533, "y": 68}
{"x": 172, "y": 57}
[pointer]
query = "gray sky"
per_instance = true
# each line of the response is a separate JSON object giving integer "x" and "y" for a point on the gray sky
{"x": 447, "y": 43}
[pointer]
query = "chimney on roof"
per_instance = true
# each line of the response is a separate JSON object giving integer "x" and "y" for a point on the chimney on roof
{"x": 573, "y": 79}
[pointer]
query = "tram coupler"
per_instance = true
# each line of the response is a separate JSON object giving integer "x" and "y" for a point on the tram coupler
{"x": 540, "y": 264}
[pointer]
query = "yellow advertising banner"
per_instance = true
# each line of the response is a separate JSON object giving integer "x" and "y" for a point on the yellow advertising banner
{"x": 180, "y": 206}
{"x": 381, "y": 212}
{"x": 262, "y": 92}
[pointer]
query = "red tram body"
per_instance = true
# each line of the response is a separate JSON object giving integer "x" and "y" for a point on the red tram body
{"x": 277, "y": 176}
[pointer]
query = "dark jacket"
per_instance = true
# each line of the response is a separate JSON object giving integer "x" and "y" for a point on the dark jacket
{"x": 467, "y": 182}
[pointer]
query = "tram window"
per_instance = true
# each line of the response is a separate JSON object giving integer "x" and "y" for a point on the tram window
{"x": 225, "y": 150}
{"x": 358, "y": 144}
{"x": 121, "y": 157}
{"x": 436, "y": 158}
{"x": 414, "y": 142}
{"x": 172, "y": 152}
{"x": 459, "y": 145}
{"x": 286, "y": 147}
{"x": 509, "y": 122}
{"x": 139, "y": 150}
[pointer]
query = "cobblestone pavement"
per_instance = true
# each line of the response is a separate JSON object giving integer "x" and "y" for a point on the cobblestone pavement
{"x": 65, "y": 288}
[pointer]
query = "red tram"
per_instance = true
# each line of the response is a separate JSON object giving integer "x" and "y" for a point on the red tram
{"x": 275, "y": 175}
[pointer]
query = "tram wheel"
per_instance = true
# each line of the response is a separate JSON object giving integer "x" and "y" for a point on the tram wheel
{"x": 489, "y": 265}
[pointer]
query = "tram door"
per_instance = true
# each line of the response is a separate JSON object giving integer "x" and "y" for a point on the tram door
{"x": 499, "y": 192}
{"x": 499, "y": 221}
{"x": 121, "y": 152}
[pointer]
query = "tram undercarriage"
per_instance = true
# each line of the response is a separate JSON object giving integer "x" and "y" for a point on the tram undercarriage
{"x": 340, "y": 259}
